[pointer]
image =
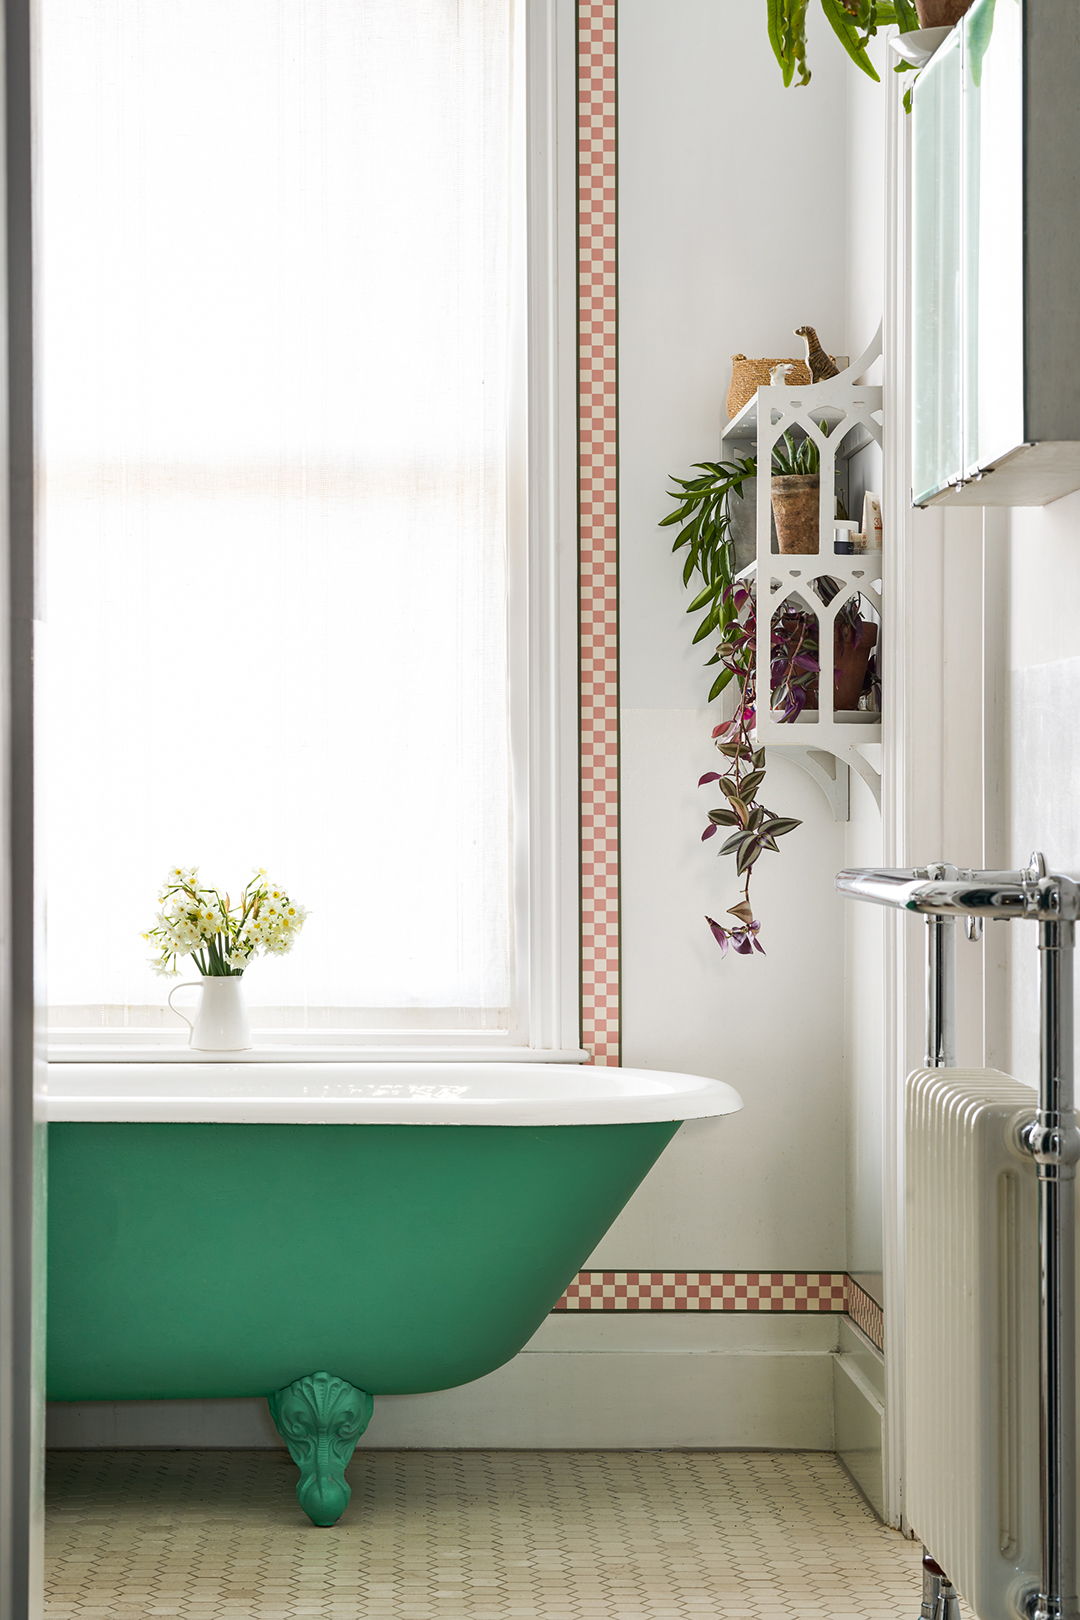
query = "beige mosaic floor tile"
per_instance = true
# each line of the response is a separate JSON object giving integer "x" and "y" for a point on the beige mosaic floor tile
{"x": 496, "y": 1535}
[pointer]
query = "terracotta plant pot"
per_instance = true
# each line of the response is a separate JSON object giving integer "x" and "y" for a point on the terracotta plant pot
{"x": 850, "y": 658}
{"x": 795, "y": 500}
{"x": 941, "y": 13}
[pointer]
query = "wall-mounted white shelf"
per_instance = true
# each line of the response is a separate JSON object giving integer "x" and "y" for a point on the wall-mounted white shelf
{"x": 851, "y": 412}
{"x": 742, "y": 429}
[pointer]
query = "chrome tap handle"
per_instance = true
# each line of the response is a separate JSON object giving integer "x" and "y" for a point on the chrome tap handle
{"x": 1031, "y": 894}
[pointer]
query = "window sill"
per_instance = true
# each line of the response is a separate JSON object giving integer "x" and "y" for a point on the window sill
{"x": 102, "y": 1046}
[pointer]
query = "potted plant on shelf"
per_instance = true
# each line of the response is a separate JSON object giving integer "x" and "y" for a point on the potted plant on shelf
{"x": 796, "y": 484}
{"x": 855, "y": 23}
{"x": 941, "y": 13}
{"x": 854, "y": 659}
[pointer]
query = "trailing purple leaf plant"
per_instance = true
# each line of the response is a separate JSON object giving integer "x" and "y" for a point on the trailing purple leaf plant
{"x": 704, "y": 513}
{"x": 755, "y": 827}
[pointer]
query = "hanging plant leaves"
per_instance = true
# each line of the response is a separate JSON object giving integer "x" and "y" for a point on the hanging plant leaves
{"x": 855, "y": 23}
{"x": 848, "y": 35}
{"x": 725, "y": 677}
{"x": 777, "y": 826}
{"x": 728, "y": 624}
{"x": 979, "y": 28}
{"x": 748, "y": 854}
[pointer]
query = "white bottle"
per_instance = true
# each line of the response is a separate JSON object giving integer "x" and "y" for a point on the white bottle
{"x": 871, "y": 521}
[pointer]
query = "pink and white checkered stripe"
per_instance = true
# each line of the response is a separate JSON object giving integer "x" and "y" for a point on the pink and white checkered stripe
{"x": 598, "y": 531}
{"x": 866, "y": 1313}
{"x": 819, "y": 1291}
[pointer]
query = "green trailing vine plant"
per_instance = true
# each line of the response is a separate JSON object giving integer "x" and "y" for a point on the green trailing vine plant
{"x": 729, "y": 607}
{"x": 703, "y": 511}
{"x": 854, "y": 22}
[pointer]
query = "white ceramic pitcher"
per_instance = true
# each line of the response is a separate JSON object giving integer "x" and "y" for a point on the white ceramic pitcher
{"x": 221, "y": 1021}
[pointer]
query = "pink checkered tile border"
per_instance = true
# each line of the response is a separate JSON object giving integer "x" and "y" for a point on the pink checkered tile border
{"x": 866, "y": 1313}
{"x": 598, "y": 534}
{"x": 706, "y": 1291}
{"x": 832, "y": 1292}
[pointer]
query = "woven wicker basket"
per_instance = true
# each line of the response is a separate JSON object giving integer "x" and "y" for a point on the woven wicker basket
{"x": 747, "y": 376}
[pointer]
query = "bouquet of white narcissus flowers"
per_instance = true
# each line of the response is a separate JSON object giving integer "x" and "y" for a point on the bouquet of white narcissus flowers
{"x": 221, "y": 938}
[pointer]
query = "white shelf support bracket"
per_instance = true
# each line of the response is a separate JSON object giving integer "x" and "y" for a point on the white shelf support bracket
{"x": 831, "y": 775}
{"x": 869, "y": 774}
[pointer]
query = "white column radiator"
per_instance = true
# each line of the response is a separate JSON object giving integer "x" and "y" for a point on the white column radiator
{"x": 972, "y": 1351}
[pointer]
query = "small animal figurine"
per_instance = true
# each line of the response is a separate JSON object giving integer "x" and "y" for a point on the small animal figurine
{"x": 779, "y": 373}
{"x": 816, "y": 358}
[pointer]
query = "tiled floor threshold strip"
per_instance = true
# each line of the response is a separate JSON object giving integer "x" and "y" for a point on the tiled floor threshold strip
{"x": 488, "y": 1535}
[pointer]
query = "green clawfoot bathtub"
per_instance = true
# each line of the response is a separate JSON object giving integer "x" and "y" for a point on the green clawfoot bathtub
{"x": 323, "y": 1233}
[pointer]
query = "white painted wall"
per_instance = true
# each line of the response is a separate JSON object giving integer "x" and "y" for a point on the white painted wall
{"x": 864, "y": 1049}
{"x": 724, "y": 247}
{"x": 1043, "y": 730}
{"x": 763, "y": 1189}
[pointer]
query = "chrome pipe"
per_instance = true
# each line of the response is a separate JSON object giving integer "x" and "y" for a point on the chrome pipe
{"x": 939, "y": 1598}
{"x": 1028, "y": 894}
{"x": 1054, "y": 1142}
{"x": 1053, "y": 1139}
{"x": 940, "y": 992}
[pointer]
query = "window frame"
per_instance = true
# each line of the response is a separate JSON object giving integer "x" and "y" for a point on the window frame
{"x": 542, "y": 610}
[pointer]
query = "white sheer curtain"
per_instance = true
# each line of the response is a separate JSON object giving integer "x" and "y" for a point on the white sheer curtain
{"x": 275, "y": 313}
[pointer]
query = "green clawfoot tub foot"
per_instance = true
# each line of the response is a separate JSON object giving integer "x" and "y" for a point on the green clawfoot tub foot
{"x": 320, "y": 1418}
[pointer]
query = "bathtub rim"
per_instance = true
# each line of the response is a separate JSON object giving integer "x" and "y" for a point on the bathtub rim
{"x": 224, "y": 1093}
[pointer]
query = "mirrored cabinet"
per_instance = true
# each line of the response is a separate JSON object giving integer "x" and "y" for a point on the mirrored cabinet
{"x": 995, "y": 328}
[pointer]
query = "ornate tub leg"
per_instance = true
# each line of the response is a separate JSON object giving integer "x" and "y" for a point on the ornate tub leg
{"x": 320, "y": 1418}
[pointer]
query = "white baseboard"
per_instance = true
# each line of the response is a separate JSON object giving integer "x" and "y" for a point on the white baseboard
{"x": 710, "y": 1381}
{"x": 859, "y": 1413}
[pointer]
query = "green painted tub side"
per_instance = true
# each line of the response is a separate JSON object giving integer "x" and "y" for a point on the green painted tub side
{"x": 225, "y": 1260}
